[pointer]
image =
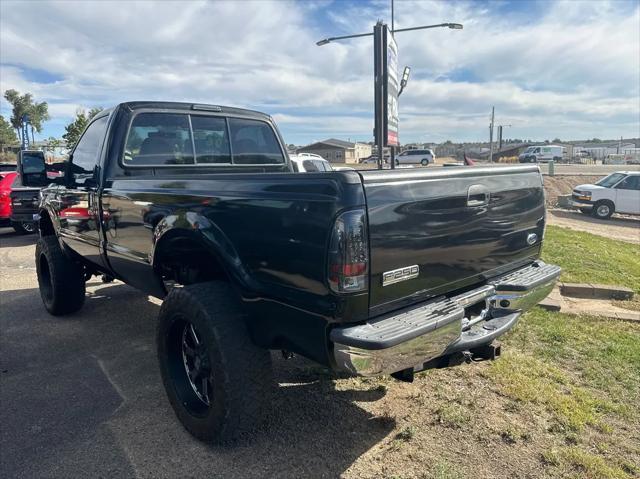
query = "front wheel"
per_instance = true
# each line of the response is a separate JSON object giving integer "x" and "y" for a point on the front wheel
{"x": 217, "y": 380}
{"x": 424, "y": 162}
{"x": 603, "y": 210}
{"x": 61, "y": 280}
{"x": 24, "y": 227}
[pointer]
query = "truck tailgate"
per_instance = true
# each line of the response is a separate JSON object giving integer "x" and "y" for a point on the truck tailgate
{"x": 437, "y": 230}
{"x": 25, "y": 201}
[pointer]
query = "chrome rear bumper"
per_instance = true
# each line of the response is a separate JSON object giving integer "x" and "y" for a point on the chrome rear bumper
{"x": 441, "y": 326}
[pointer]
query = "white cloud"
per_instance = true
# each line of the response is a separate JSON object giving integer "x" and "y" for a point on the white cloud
{"x": 568, "y": 69}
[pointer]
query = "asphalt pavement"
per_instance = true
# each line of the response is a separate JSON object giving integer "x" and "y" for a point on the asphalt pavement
{"x": 81, "y": 396}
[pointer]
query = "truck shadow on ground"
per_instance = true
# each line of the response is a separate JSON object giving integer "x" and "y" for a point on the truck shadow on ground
{"x": 9, "y": 238}
{"x": 101, "y": 405}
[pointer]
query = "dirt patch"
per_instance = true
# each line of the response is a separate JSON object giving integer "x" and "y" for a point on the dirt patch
{"x": 620, "y": 228}
{"x": 564, "y": 185}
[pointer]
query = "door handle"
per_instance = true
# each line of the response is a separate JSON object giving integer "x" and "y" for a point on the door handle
{"x": 478, "y": 195}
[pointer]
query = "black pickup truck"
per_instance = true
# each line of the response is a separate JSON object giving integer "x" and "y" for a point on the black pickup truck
{"x": 364, "y": 272}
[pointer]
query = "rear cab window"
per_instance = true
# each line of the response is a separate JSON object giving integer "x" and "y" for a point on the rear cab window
{"x": 158, "y": 139}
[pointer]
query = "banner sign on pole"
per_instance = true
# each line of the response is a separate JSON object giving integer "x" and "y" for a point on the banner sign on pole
{"x": 391, "y": 88}
{"x": 25, "y": 132}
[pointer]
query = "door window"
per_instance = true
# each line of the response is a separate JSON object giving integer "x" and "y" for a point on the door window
{"x": 630, "y": 183}
{"x": 87, "y": 152}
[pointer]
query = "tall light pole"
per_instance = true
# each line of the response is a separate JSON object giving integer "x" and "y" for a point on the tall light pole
{"x": 380, "y": 73}
{"x": 493, "y": 109}
{"x": 453, "y": 26}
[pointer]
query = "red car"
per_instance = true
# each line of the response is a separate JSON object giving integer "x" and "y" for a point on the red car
{"x": 6, "y": 180}
{"x": 7, "y": 184}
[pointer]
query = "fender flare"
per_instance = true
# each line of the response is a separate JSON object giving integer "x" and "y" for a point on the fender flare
{"x": 201, "y": 230}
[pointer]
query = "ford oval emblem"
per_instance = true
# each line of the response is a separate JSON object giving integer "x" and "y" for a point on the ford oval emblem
{"x": 532, "y": 238}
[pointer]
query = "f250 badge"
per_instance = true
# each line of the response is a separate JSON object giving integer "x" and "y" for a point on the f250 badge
{"x": 400, "y": 274}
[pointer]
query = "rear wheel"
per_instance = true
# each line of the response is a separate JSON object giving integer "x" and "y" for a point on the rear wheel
{"x": 217, "y": 380}
{"x": 24, "y": 227}
{"x": 61, "y": 280}
{"x": 603, "y": 210}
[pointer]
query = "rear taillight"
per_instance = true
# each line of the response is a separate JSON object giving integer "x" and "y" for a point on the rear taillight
{"x": 348, "y": 265}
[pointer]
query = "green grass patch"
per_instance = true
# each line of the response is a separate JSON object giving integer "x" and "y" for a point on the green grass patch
{"x": 446, "y": 470}
{"x": 531, "y": 380}
{"x": 603, "y": 354}
{"x": 453, "y": 415}
{"x": 587, "y": 258}
{"x": 586, "y": 464}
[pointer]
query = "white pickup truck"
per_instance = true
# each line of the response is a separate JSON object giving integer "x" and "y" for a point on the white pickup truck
{"x": 619, "y": 192}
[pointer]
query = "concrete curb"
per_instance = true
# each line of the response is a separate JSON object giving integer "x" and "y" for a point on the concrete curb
{"x": 550, "y": 304}
{"x": 595, "y": 291}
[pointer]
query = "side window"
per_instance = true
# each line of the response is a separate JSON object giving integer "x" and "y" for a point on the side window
{"x": 630, "y": 183}
{"x": 310, "y": 165}
{"x": 211, "y": 140}
{"x": 87, "y": 152}
{"x": 254, "y": 142}
{"x": 157, "y": 139}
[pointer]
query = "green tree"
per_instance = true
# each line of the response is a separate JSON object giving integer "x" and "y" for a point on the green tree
{"x": 77, "y": 126}
{"x": 22, "y": 105}
{"x": 53, "y": 143}
{"x": 8, "y": 135}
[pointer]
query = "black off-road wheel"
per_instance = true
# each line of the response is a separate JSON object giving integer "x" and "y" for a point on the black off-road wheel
{"x": 603, "y": 210}
{"x": 61, "y": 280}
{"x": 218, "y": 382}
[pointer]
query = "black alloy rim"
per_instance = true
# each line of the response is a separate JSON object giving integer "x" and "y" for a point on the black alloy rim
{"x": 197, "y": 366}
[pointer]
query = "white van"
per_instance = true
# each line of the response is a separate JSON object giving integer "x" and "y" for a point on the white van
{"x": 618, "y": 192}
{"x": 416, "y": 157}
{"x": 543, "y": 153}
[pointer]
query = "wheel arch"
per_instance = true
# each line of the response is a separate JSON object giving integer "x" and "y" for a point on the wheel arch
{"x": 198, "y": 254}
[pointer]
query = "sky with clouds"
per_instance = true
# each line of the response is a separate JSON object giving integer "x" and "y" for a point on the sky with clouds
{"x": 567, "y": 69}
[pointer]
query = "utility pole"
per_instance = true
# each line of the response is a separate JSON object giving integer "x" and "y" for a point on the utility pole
{"x": 493, "y": 108}
{"x": 500, "y": 132}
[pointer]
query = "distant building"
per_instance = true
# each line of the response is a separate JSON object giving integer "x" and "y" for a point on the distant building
{"x": 338, "y": 151}
{"x": 601, "y": 150}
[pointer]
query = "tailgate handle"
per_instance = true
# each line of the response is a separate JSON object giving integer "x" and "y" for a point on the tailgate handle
{"x": 478, "y": 195}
